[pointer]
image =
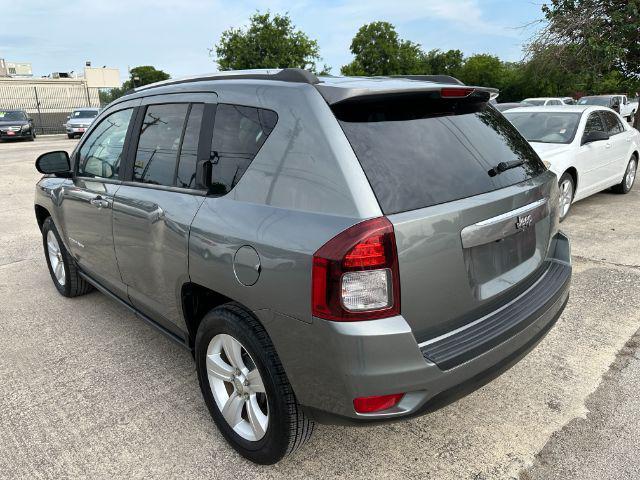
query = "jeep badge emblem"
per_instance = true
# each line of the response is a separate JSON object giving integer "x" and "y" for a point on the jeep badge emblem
{"x": 524, "y": 222}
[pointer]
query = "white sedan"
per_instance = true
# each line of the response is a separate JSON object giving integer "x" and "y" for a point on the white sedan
{"x": 589, "y": 148}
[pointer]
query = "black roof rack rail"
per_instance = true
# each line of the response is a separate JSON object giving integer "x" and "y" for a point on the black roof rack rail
{"x": 297, "y": 75}
{"x": 431, "y": 78}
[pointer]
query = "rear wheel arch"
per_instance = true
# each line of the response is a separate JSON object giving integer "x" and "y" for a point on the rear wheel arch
{"x": 197, "y": 301}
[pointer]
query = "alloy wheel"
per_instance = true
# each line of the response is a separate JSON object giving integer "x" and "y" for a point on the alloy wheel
{"x": 631, "y": 174}
{"x": 55, "y": 258}
{"x": 237, "y": 387}
{"x": 566, "y": 196}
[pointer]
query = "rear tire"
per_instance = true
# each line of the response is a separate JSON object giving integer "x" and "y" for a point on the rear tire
{"x": 62, "y": 267}
{"x": 71, "y": 137}
{"x": 629, "y": 178}
{"x": 284, "y": 426}
{"x": 567, "y": 192}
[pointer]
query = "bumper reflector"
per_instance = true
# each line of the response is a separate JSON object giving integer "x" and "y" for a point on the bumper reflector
{"x": 376, "y": 403}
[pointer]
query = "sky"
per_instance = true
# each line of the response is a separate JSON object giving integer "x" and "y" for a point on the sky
{"x": 175, "y": 36}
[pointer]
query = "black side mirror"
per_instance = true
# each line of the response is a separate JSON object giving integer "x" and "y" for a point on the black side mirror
{"x": 594, "y": 136}
{"x": 56, "y": 163}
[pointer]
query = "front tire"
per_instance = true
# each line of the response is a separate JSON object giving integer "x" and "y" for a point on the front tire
{"x": 246, "y": 388}
{"x": 629, "y": 178}
{"x": 71, "y": 136}
{"x": 62, "y": 267}
{"x": 567, "y": 191}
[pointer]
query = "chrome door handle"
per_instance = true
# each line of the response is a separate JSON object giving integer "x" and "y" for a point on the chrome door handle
{"x": 99, "y": 202}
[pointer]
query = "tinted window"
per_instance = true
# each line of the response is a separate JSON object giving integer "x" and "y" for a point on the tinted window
{"x": 611, "y": 123}
{"x": 554, "y": 102}
{"x": 159, "y": 143}
{"x": 418, "y": 152}
{"x": 534, "y": 102}
{"x": 594, "y": 124}
{"x": 101, "y": 152}
{"x": 189, "y": 151}
{"x": 546, "y": 127}
{"x": 238, "y": 134}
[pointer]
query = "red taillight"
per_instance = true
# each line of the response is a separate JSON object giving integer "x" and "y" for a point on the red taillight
{"x": 456, "y": 92}
{"x": 368, "y": 253}
{"x": 355, "y": 274}
{"x": 376, "y": 403}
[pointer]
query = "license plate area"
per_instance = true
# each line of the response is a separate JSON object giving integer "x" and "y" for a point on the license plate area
{"x": 501, "y": 251}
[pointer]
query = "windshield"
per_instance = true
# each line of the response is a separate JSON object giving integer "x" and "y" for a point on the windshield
{"x": 545, "y": 127}
{"x": 534, "y": 102}
{"x": 84, "y": 114}
{"x": 602, "y": 101}
{"x": 12, "y": 116}
{"x": 419, "y": 152}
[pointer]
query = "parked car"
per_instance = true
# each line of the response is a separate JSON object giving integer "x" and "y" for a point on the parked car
{"x": 569, "y": 100}
{"x": 589, "y": 148}
{"x": 541, "y": 101}
{"x": 503, "y": 107}
{"x": 618, "y": 103}
{"x": 330, "y": 249}
{"x": 16, "y": 124}
{"x": 79, "y": 120}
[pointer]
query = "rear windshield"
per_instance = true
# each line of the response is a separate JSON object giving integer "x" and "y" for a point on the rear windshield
{"x": 421, "y": 152}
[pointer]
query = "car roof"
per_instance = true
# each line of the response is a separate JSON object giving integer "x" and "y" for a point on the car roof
{"x": 333, "y": 89}
{"x": 544, "y": 98}
{"x": 85, "y": 108}
{"x": 559, "y": 109}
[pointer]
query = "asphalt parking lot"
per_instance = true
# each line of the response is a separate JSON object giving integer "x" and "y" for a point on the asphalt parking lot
{"x": 87, "y": 390}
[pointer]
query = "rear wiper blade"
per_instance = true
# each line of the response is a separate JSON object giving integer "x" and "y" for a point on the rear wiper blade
{"x": 504, "y": 166}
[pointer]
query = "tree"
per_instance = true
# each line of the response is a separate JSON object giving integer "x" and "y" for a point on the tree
{"x": 138, "y": 76}
{"x": 604, "y": 35}
{"x": 269, "y": 42}
{"x": 144, "y": 75}
{"x": 482, "y": 70}
{"x": 445, "y": 63}
{"x": 379, "y": 51}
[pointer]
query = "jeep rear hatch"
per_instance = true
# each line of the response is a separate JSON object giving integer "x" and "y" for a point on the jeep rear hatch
{"x": 468, "y": 198}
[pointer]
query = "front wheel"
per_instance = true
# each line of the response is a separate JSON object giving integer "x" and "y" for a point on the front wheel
{"x": 62, "y": 268}
{"x": 567, "y": 189}
{"x": 629, "y": 178}
{"x": 245, "y": 387}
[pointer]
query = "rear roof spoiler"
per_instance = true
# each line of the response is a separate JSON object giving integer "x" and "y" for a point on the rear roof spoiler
{"x": 338, "y": 94}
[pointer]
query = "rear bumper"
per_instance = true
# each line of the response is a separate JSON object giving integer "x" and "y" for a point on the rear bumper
{"x": 343, "y": 361}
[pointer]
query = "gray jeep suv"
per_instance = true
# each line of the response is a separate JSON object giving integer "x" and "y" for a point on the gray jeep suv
{"x": 337, "y": 250}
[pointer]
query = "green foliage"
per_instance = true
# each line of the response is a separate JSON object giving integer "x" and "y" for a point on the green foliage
{"x": 379, "y": 51}
{"x": 269, "y": 42}
{"x": 445, "y": 63}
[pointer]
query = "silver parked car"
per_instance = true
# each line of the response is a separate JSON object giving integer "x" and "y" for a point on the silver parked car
{"x": 338, "y": 250}
{"x": 80, "y": 120}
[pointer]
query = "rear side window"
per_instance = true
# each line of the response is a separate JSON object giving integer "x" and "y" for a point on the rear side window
{"x": 594, "y": 124}
{"x": 611, "y": 122}
{"x": 238, "y": 134}
{"x": 418, "y": 151}
{"x": 159, "y": 143}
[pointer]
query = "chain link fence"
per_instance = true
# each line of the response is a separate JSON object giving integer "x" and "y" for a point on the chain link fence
{"x": 48, "y": 104}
